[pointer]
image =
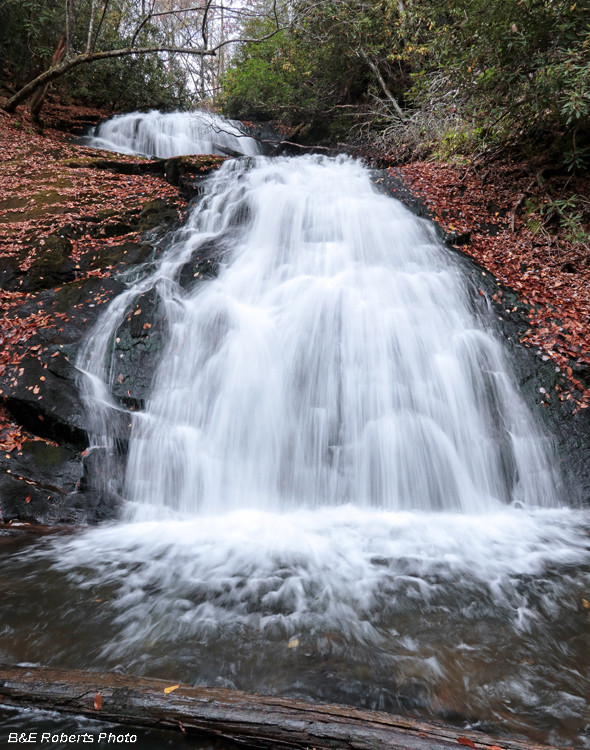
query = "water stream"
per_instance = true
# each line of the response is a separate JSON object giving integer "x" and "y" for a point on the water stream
{"x": 335, "y": 490}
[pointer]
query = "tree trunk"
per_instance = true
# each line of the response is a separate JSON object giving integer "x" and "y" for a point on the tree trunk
{"x": 38, "y": 97}
{"x": 255, "y": 721}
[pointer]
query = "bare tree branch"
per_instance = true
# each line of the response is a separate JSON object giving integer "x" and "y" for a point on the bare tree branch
{"x": 57, "y": 71}
{"x": 104, "y": 12}
{"x": 382, "y": 83}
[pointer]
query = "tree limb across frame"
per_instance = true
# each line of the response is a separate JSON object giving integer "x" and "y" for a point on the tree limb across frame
{"x": 73, "y": 61}
{"x": 255, "y": 721}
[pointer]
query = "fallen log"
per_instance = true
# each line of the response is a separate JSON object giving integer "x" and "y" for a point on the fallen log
{"x": 254, "y": 721}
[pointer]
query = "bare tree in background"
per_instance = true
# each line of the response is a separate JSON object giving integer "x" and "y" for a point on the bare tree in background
{"x": 191, "y": 29}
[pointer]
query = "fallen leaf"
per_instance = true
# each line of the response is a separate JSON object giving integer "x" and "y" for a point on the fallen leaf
{"x": 465, "y": 741}
{"x": 585, "y": 604}
{"x": 293, "y": 643}
{"x": 171, "y": 688}
{"x": 28, "y": 498}
{"x": 98, "y": 701}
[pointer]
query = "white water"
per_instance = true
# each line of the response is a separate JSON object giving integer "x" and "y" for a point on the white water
{"x": 334, "y": 360}
{"x": 335, "y": 489}
{"x": 172, "y": 134}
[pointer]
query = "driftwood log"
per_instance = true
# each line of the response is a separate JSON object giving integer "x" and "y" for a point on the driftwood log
{"x": 253, "y": 721}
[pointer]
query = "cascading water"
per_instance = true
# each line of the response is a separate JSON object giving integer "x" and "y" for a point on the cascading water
{"x": 172, "y": 134}
{"x": 334, "y": 360}
{"x": 334, "y": 490}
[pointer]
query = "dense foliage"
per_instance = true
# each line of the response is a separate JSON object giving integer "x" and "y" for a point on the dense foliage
{"x": 30, "y": 32}
{"x": 463, "y": 71}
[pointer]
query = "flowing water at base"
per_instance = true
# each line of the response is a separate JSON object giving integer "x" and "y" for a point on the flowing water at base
{"x": 334, "y": 490}
{"x": 475, "y": 619}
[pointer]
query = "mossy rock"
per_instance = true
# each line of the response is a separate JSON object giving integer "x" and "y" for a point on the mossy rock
{"x": 156, "y": 213}
{"x": 52, "y": 265}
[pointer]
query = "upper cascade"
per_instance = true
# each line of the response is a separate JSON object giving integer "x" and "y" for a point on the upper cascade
{"x": 164, "y": 135}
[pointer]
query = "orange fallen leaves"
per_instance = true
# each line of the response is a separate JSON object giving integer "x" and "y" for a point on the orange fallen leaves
{"x": 558, "y": 299}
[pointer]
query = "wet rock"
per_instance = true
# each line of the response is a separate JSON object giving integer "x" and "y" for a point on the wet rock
{"x": 197, "y": 270}
{"x": 46, "y": 401}
{"x": 184, "y": 172}
{"x": 82, "y": 301}
{"x": 55, "y": 467}
{"x": 187, "y": 173}
{"x": 455, "y": 238}
{"x": 582, "y": 372}
{"x": 10, "y": 273}
{"x": 157, "y": 213}
{"x": 103, "y": 471}
{"x": 138, "y": 344}
{"x": 117, "y": 257}
{"x": 35, "y": 484}
{"x": 27, "y": 502}
{"x": 52, "y": 266}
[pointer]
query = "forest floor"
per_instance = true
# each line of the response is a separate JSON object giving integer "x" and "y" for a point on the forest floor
{"x": 64, "y": 207}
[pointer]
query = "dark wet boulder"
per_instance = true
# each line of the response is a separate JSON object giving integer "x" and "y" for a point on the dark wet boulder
{"x": 157, "y": 214}
{"x": 52, "y": 266}
{"x": 459, "y": 238}
{"x": 197, "y": 270}
{"x": 10, "y": 273}
{"x": 46, "y": 400}
{"x": 35, "y": 484}
{"x": 116, "y": 258}
{"x": 82, "y": 302}
{"x": 137, "y": 349}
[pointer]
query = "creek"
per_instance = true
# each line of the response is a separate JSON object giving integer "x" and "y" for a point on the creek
{"x": 334, "y": 490}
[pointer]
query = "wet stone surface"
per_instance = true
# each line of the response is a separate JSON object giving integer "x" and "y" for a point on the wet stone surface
{"x": 136, "y": 351}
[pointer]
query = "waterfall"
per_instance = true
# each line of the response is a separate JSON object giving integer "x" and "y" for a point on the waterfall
{"x": 337, "y": 358}
{"x": 164, "y": 135}
{"x": 334, "y": 489}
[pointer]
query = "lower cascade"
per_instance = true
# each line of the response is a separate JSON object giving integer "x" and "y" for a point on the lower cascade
{"x": 335, "y": 359}
{"x": 334, "y": 490}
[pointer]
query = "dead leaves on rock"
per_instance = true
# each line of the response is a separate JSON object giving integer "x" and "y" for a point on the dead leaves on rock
{"x": 558, "y": 301}
{"x": 48, "y": 191}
